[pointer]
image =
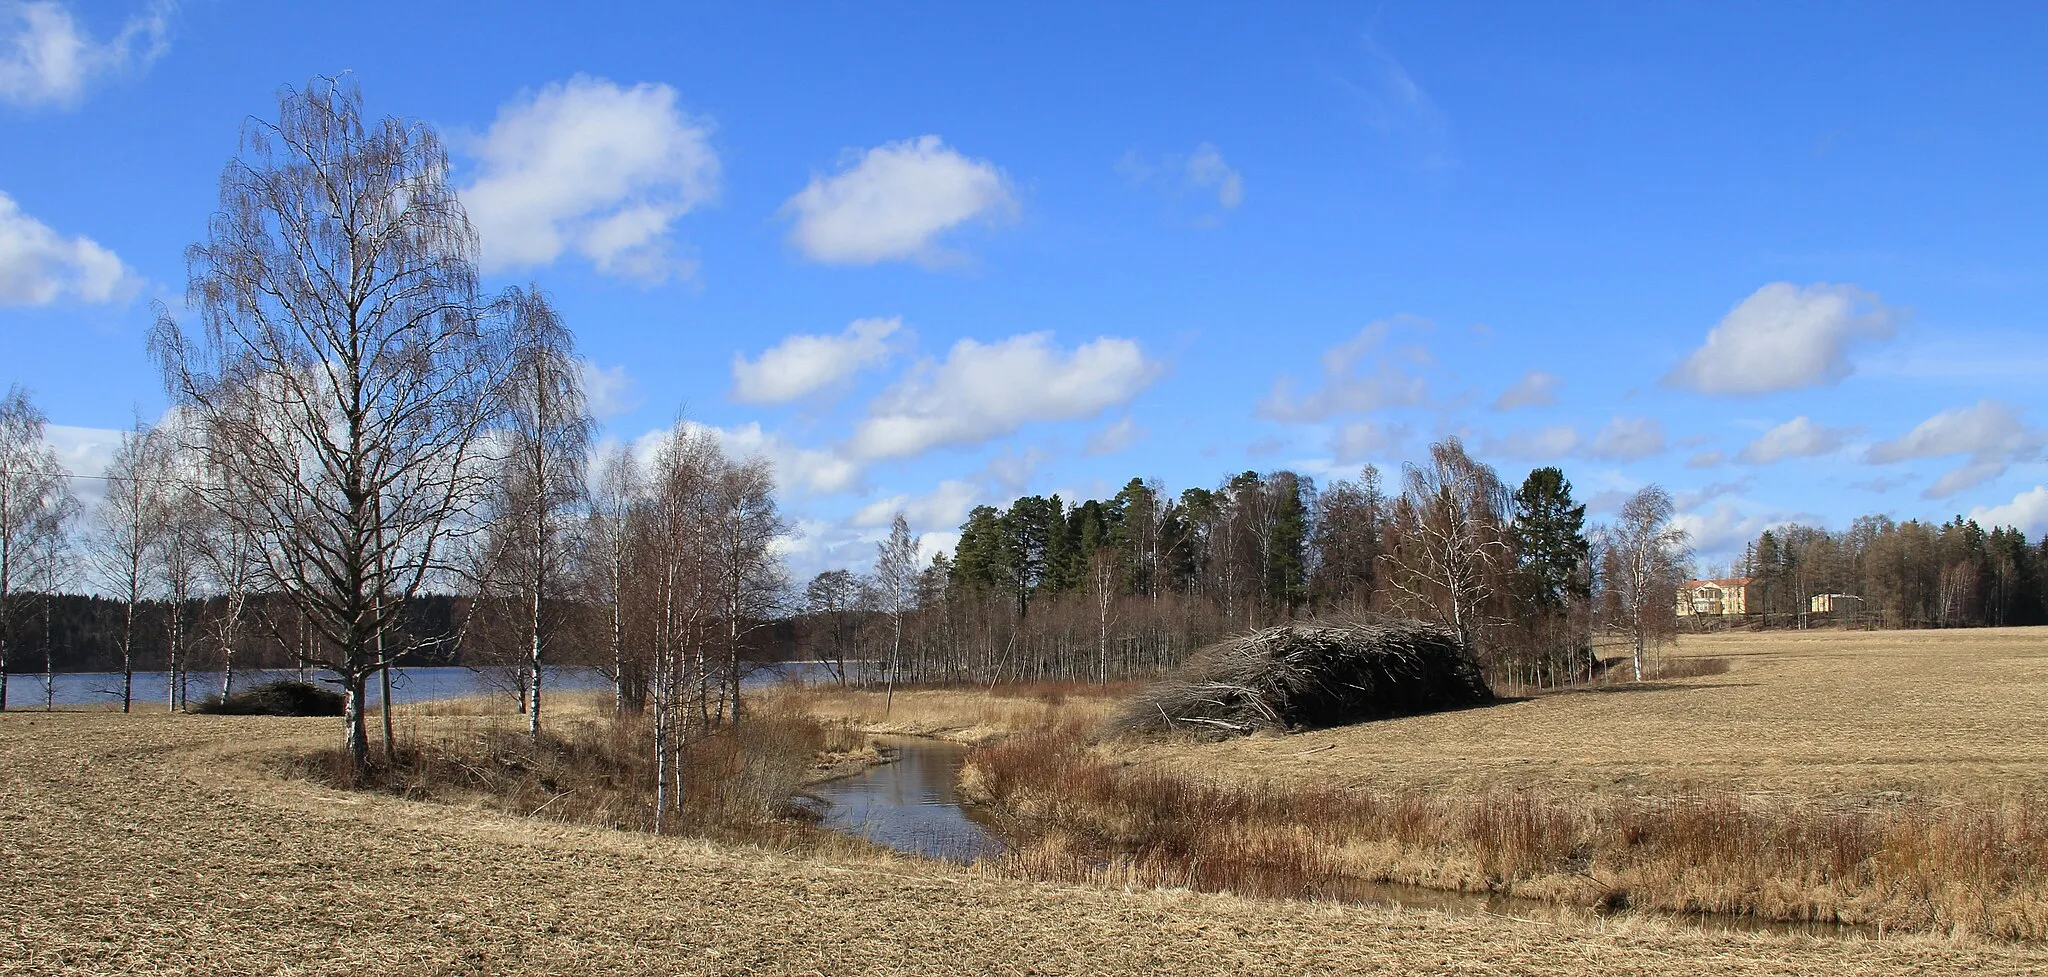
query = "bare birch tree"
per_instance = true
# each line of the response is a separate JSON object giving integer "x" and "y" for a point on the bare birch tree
{"x": 547, "y": 437}
{"x": 35, "y": 503}
{"x": 1453, "y": 547}
{"x": 341, "y": 374}
{"x": 609, "y": 536}
{"x": 896, "y": 579}
{"x": 1646, "y": 556}
{"x": 127, "y": 534}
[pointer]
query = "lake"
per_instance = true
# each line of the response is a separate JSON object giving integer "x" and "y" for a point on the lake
{"x": 408, "y": 685}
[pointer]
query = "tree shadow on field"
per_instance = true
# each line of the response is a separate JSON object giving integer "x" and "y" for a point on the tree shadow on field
{"x": 1640, "y": 687}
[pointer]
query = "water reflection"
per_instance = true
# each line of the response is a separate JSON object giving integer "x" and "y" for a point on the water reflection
{"x": 909, "y": 804}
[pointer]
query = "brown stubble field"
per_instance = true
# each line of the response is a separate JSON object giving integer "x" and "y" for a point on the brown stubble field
{"x": 1826, "y": 717}
{"x": 168, "y": 844}
{"x": 153, "y": 844}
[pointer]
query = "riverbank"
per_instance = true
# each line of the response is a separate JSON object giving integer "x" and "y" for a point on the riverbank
{"x": 1883, "y": 780}
{"x": 165, "y": 844}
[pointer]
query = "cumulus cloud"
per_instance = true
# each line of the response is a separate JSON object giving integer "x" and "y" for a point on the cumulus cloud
{"x": 2028, "y": 511}
{"x": 1360, "y": 374}
{"x": 1799, "y": 437}
{"x": 592, "y": 167}
{"x": 894, "y": 202}
{"x": 1114, "y": 438}
{"x": 944, "y": 507}
{"x": 1784, "y": 337}
{"x": 609, "y": 390}
{"x": 1535, "y": 389}
{"x": 985, "y": 390}
{"x": 803, "y": 365}
{"x": 38, "y": 266}
{"x": 1990, "y": 433}
{"x": 46, "y": 59}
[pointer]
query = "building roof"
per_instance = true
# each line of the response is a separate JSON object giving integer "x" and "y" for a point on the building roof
{"x": 1728, "y": 582}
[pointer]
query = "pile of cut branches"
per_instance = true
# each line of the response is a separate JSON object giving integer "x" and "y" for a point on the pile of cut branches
{"x": 1307, "y": 676}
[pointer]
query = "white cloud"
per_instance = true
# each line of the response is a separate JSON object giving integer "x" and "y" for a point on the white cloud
{"x": 810, "y": 471}
{"x": 803, "y": 365}
{"x": 1723, "y": 531}
{"x": 1535, "y": 389}
{"x": 1989, "y": 432}
{"x": 609, "y": 391}
{"x": 2028, "y": 511}
{"x": 45, "y": 59}
{"x": 1359, "y": 375}
{"x": 986, "y": 390}
{"x": 1799, "y": 437}
{"x": 893, "y": 204}
{"x": 1627, "y": 439}
{"x": 591, "y": 167}
{"x": 944, "y": 507}
{"x": 1547, "y": 444}
{"x": 1784, "y": 337}
{"x": 1706, "y": 459}
{"x": 38, "y": 266}
{"x": 1622, "y": 439}
{"x": 1360, "y": 440}
{"x": 1203, "y": 170}
{"x": 1114, "y": 438}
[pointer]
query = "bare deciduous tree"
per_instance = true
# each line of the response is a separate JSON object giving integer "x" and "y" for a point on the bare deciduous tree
{"x": 35, "y": 503}
{"x": 1645, "y": 558}
{"x": 341, "y": 375}
{"x": 547, "y": 437}
{"x": 1453, "y": 547}
{"x": 128, "y": 530}
{"x": 896, "y": 579}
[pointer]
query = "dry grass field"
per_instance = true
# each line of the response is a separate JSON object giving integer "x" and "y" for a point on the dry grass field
{"x": 164, "y": 845}
{"x": 1828, "y": 717}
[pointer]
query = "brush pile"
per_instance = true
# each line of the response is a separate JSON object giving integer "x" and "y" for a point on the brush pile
{"x": 1307, "y": 676}
{"x": 286, "y": 698}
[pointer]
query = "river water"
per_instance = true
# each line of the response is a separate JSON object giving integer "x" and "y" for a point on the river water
{"x": 71, "y": 690}
{"x": 912, "y": 804}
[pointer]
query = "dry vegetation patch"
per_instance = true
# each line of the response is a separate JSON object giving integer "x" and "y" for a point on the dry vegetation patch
{"x": 159, "y": 844}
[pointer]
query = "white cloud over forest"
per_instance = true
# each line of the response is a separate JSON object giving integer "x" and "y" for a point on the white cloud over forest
{"x": 802, "y": 365}
{"x": 595, "y": 168}
{"x": 1785, "y": 337}
{"x": 982, "y": 391}
{"x": 894, "y": 202}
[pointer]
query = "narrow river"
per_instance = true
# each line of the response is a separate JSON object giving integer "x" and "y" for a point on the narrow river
{"x": 912, "y": 804}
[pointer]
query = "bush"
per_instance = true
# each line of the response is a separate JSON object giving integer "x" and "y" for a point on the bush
{"x": 285, "y": 698}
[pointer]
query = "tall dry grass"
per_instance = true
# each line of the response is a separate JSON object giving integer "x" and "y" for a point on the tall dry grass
{"x": 1075, "y": 816}
{"x": 966, "y": 714}
{"x": 739, "y": 782}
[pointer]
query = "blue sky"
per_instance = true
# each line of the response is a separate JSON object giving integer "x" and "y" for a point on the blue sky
{"x": 1788, "y": 261}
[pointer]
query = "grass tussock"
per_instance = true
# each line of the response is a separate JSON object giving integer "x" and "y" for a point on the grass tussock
{"x": 1075, "y": 816}
{"x": 738, "y": 783}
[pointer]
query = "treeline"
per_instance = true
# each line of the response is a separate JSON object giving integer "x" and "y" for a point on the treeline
{"x": 84, "y": 633}
{"x": 1127, "y": 586}
{"x": 1911, "y": 574}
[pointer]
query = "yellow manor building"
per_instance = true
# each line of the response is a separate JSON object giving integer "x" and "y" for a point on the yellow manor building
{"x": 1715, "y": 598}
